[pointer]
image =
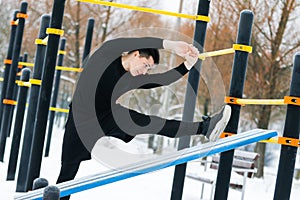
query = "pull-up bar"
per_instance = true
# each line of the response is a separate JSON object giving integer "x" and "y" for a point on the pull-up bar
{"x": 235, "y": 47}
{"x": 161, "y": 162}
{"x": 286, "y": 100}
{"x": 147, "y": 10}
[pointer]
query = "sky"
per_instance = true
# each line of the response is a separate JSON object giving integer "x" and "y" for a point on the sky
{"x": 171, "y": 5}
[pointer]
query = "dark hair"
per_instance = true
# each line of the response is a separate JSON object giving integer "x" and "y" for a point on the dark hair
{"x": 147, "y": 53}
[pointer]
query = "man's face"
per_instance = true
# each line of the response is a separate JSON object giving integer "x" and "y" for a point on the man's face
{"x": 140, "y": 65}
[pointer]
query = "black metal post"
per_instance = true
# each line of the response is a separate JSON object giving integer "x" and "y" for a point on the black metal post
{"x": 54, "y": 96}
{"x": 20, "y": 67}
{"x": 87, "y": 48}
{"x": 33, "y": 101}
{"x": 51, "y": 192}
{"x": 39, "y": 183}
{"x": 291, "y": 130}
{"x": 25, "y": 57}
{"x": 39, "y": 131}
{"x": 88, "y": 38}
{"x": 15, "y": 94}
{"x": 14, "y": 151}
{"x": 7, "y": 108}
{"x": 16, "y": 88}
{"x": 8, "y": 62}
{"x": 190, "y": 98}
{"x": 236, "y": 90}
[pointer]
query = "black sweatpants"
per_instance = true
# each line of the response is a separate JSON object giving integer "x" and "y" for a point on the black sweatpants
{"x": 74, "y": 151}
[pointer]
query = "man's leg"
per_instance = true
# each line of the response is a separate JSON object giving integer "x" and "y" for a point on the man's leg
{"x": 67, "y": 172}
{"x": 217, "y": 123}
{"x": 73, "y": 152}
{"x": 211, "y": 127}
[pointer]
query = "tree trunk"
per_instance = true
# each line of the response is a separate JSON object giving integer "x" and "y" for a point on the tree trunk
{"x": 297, "y": 177}
{"x": 205, "y": 106}
{"x": 160, "y": 144}
{"x": 260, "y": 148}
{"x": 105, "y": 24}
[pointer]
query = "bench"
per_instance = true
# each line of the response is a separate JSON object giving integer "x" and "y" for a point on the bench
{"x": 243, "y": 164}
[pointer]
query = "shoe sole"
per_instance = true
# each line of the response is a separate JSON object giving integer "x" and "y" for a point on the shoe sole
{"x": 221, "y": 125}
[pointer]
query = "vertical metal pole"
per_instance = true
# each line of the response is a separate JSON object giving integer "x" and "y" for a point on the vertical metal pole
{"x": 33, "y": 101}
{"x": 14, "y": 151}
{"x": 36, "y": 152}
{"x": 190, "y": 98}
{"x": 8, "y": 63}
{"x": 51, "y": 192}
{"x": 8, "y": 108}
{"x": 16, "y": 88}
{"x": 87, "y": 48}
{"x": 54, "y": 96}
{"x": 291, "y": 129}
{"x": 20, "y": 67}
{"x": 15, "y": 94}
{"x": 39, "y": 183}
{"x": 236, "y": 90}
{"x": 88, "y": 38}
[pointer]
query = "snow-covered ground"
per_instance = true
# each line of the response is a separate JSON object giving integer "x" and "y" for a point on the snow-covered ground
{"x": 155, "y": 185}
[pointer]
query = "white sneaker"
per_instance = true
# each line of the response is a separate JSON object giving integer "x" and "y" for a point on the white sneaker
{"x": 218, "y": 123}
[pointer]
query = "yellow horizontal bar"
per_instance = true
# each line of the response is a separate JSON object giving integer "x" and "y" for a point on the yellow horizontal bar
{"x": 241, "y": 47}
{"x": 271, "y": 140}
{"x": 148, "y": 10}
{"x": 14, "y": 23}
{"x": 22, "y": 15}
{"x": 26, "y": 64}
{"x": 35, "y": 82}
{"x": 62, "y": 52}
{"x": 39, "y": 41}
{"x": 54, "y": 31}
{"x": 260, "y": 101}
{"x": 74, "y": 69}
{"x": 6, "y": 61}
{"x": 24, "y": 84}
{"x": 42, "y": 41}
{"x": 279, "y": 140}
{"x": 202, "y": 56}
{"x": 59, "y": 109}
{"x": 9, "y": 102}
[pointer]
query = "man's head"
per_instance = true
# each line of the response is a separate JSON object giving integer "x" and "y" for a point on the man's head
{"x": 139, "y": 61}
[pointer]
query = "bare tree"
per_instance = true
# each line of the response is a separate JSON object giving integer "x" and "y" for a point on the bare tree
{"x": 274, "y": 41}
{"x": 274, "y": 44}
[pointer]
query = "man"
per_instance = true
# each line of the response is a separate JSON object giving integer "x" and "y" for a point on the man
{"x": 124, "y": 63}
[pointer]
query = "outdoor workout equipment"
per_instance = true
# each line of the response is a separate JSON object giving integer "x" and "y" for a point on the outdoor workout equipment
{"x": 164, "y": 161}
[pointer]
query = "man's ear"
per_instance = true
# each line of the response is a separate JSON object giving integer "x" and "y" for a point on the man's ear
{"x": 136, "y": 53}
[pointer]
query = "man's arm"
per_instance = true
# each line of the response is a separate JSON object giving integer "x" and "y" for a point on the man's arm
{"x": 149, "y": 81}
{"x": 112, "y": 49}
{"x": 183, "y": 49}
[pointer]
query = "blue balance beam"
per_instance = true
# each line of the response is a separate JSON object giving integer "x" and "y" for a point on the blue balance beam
{"x": 164, "y": 161}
